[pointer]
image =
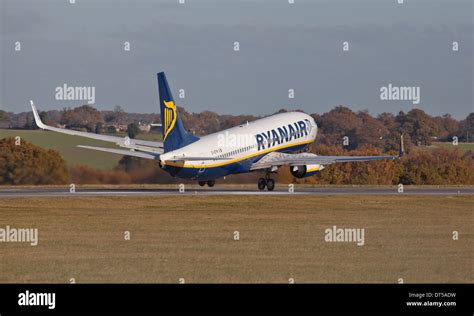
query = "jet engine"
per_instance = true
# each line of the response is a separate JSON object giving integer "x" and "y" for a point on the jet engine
{"x": 305, "y": 170}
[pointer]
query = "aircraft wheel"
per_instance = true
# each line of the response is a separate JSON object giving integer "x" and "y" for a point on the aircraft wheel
{"x": 211, "y": 183}
{"x": 270, "y": 184}
{"x": 202, "y": 183}
{"x": 262, "y": 183}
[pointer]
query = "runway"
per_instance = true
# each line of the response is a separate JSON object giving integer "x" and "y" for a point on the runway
{"x": 232, "y": 190}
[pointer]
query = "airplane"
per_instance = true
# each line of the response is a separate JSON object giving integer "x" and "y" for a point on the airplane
{"x": 263, "y": 145}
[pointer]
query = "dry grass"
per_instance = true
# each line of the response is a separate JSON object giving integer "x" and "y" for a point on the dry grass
{"x": 191, "y": 237}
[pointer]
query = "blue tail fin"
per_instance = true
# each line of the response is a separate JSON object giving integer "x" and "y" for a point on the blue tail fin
{"x": 174, "y": 134}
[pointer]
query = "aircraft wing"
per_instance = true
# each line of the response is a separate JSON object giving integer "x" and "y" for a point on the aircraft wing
{"x": 143, "y": 145}
{"x": 124, "y": 152}
{"x": 279, "y": 159}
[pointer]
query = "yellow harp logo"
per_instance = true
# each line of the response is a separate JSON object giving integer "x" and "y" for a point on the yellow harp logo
{"x": 169, "y": 117}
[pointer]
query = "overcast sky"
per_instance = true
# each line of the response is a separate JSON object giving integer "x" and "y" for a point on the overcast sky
{"x": 282, "y": 46}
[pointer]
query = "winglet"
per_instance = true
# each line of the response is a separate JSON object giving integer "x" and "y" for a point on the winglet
{"x": 36, "y": 115}
{"x": 401, "y": 149}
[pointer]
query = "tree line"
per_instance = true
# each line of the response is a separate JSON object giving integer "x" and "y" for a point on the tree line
{"x": 30, "y": 164}
{"x": 335, "y": 126}
{"x": 341, "y": 131}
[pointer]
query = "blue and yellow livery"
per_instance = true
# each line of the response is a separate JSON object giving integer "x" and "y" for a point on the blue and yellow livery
{"x": 262, "y": 145}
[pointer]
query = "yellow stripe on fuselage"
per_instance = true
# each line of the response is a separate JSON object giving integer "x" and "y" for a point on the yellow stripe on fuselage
{"x": 227, "y": 162}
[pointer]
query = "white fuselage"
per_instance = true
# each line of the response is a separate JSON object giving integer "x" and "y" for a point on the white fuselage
{"x": 274, "y": 133}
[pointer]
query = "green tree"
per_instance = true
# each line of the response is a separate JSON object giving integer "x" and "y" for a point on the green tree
{"x": 84, "y": 116}
{"x": 44, "y": 116}
{"x": 466, "y": 129}
{"x": 4, "y": 119}
{"x": 420, "y": 126}
{"x": 133, "y": 130}
{"x": 3, "y": 116}
{"x": 99, "y": 128}
{"x": 26, "y": 163}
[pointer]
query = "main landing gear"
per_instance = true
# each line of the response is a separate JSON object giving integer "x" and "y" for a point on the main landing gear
{"x": 210, "y": 183}
{"x": 266, "y": 182}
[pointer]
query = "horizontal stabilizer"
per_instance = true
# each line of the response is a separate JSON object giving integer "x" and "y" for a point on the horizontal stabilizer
{"x": 123, "y": 152}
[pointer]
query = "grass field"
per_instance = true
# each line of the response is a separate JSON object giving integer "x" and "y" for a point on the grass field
{"x": 463, "y": 147}
{"x": 408, "y": 237}
{"x": 67, "y": 146}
